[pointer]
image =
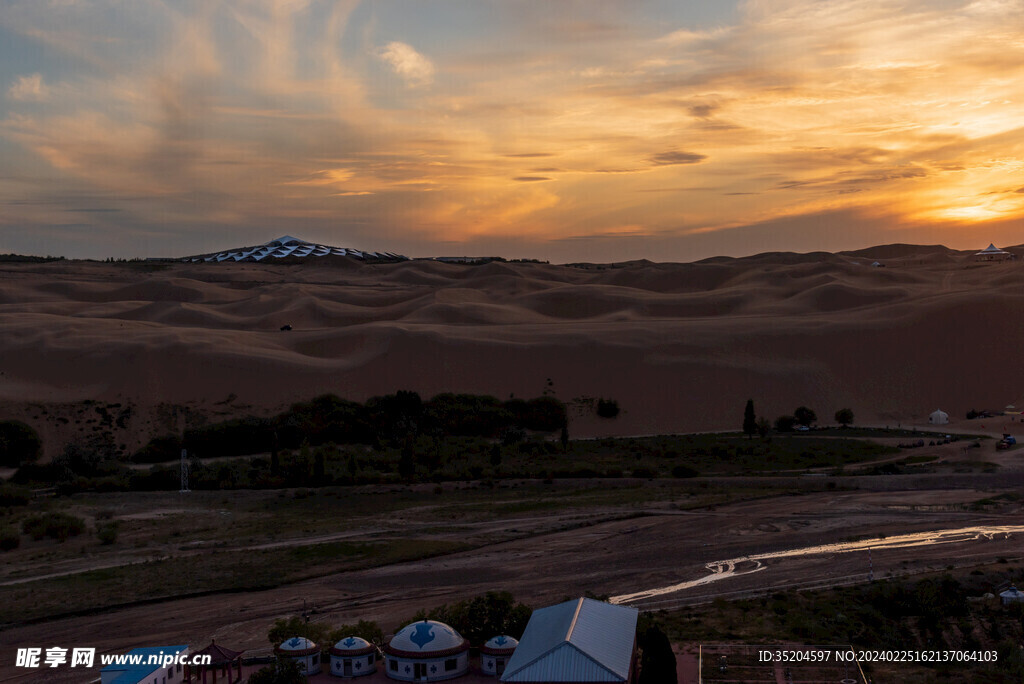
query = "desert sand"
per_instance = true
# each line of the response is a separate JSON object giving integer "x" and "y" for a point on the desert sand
{"x": 681, "y": 347}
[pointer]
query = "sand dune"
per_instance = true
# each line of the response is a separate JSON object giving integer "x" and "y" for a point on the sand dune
{"x": 680, "y": 346}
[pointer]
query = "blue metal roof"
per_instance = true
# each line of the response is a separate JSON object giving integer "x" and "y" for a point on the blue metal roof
{"x": 133, "y": 673}
{"x": 577, "y": 641}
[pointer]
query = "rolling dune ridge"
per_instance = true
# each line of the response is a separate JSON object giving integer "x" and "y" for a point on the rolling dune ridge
{"x": 680, "y": 346}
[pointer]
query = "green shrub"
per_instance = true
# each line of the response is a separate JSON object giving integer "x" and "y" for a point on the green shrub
{"x": 59, "y": 526}
{"x": 281, "y": 671}
{"x": 19, "y": 444}
{"x": 12, "y": 495}
{"x": 107, "y": 533}
{"x": 159, "y": 450}
{"x": 607, "y": 408}
{"x": 286, "y": 628}
{"x": 785, "y": 423}
{"x": 684, "y": 471}
{"x": 9, "y": 539}
{"x": 482, "y": 617}
{"x": 364, "y": 629}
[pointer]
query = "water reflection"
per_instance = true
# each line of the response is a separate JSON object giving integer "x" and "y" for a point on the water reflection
{"x": 745, "y": 565}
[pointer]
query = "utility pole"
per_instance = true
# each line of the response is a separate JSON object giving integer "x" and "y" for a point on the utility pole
{"x": 184, "y": 472}
{"x": 181, "y": 421}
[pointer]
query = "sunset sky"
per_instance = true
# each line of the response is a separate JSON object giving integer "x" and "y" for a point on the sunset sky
{"x": 568, "y": 130}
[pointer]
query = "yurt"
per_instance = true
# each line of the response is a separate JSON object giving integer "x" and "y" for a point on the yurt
{"x": 303, "y": 651}
{"x": 938, "y": 417}
{"x": 1011, "y": 595}
{"x": 353, "y": 657}
{"x": 494, "y": 654}
{"x": 426, "y": 651}
{"x": 992, "y": 253}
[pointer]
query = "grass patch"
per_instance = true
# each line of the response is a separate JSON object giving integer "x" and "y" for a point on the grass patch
{"x": 462, "y": 458}
{"x": 888, "y": 433}
{"x": 730, "y": 453}
{"x": 929, "y": 613}
{"x": 206, "y": 573}
{"x": 915, "y": 460}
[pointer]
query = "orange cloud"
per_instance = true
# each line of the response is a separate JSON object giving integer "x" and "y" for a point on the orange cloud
{"x": 268, "y": 108}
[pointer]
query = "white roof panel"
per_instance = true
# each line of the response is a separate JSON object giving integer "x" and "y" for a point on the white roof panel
{"x": 577, "y": 641}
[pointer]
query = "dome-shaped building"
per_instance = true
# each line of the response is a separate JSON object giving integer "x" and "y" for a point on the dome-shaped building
{"x": 426, "y": 651}
{"x": 353, "y": 657}
{"x": 495, "y": 653}
{"x": 303, "y": 651}
{"x": 1011, "y": 595}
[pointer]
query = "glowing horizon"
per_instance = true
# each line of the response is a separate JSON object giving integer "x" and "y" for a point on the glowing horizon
{"x": 584, "y": 130}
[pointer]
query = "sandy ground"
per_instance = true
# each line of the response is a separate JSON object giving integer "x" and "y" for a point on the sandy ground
{"x": 932, "y": 329}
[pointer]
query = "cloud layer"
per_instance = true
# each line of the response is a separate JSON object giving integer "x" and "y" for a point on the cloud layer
{"x": 513, "y": 128}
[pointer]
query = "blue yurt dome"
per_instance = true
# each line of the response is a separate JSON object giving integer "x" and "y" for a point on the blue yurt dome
{"x": 500, "y": 645}
{"x": 297, "y": 646}
{"x": 427, "y": 637}
{"x": 352, "y": 646}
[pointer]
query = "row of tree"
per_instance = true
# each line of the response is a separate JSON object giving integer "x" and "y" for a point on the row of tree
{"x": 389, "y": 419}
{"x": 803, "y": 416}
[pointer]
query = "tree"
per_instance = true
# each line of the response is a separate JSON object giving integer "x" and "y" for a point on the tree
{"x": 55, "y": 525}
{"x": 319, "y": 466}
{"x": 481, "y": 617}
{"x": 763, "y": 427}
{"x": 607, "y": 408}
{"x": 407, "y": 462}
{"x": 275, "y": 459}
{"x": 657, "y": 661}
{"x": 297, "y": 626}
{"x": 804, "y": 416}
{"x": 784, "y": 423}
{"x": 97, "y": 455}
{"x": 749, "y": 419}
{"x": 364, "y": 629}
{"x": 844, "y": 416}
{"x": 281, "y": 671}
{"x": 564, "y": 438}
{"x": 19, "y": 444}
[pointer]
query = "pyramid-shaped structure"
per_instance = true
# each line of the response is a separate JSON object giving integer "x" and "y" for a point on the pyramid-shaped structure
{"x": 292, "y": 249}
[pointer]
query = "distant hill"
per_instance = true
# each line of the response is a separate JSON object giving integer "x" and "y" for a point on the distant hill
{"x": 899, "y": 251}
{"x": 27, "y": 259}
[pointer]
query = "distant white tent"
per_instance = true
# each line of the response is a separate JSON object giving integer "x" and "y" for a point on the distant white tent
{"x": 938, "y": 417}
{"x": 992, "y": 253}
